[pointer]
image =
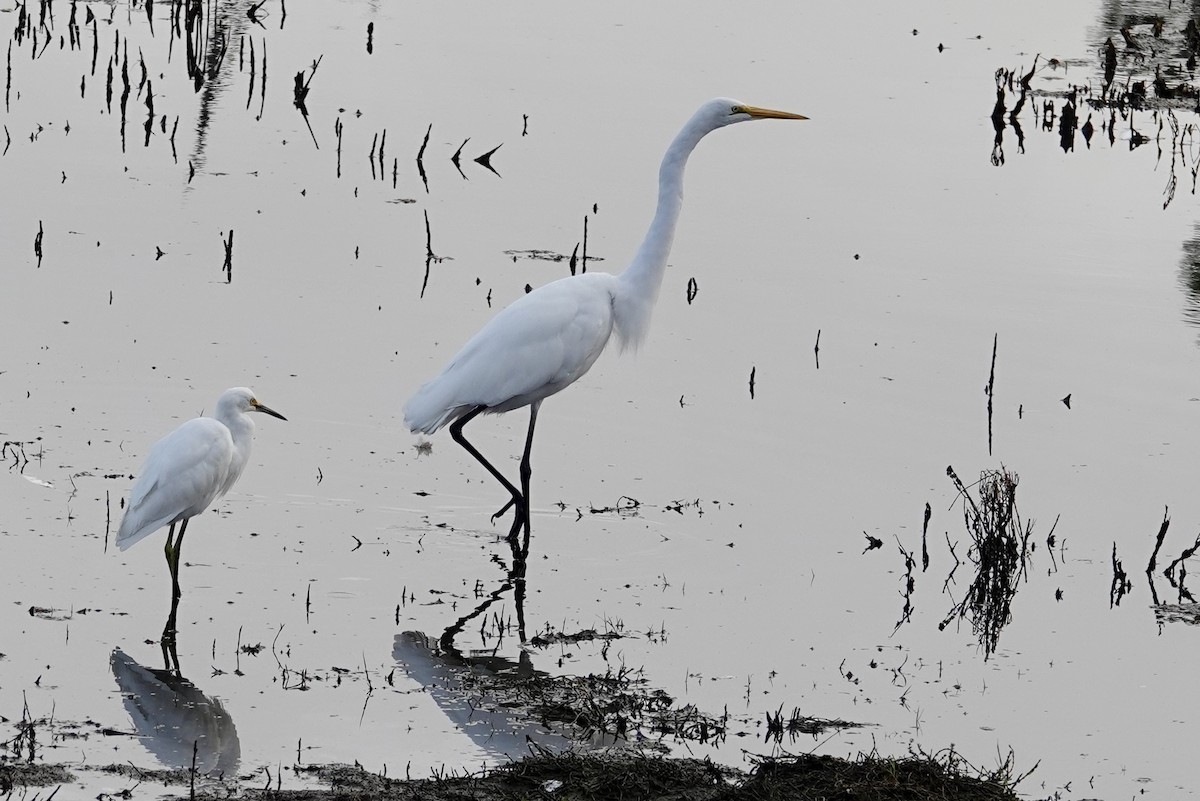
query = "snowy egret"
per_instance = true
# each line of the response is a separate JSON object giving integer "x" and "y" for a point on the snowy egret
{"x": 187, "y": 470}
{"x": 547, "y": 339}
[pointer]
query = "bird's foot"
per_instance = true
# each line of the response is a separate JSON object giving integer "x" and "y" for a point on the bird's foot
{"x": 513, "y": 501}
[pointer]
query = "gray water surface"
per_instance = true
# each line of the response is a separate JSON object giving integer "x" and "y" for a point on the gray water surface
{"x": 741, "y": 577}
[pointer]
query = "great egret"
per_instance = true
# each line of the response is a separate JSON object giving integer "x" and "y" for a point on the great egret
{"x": 547, "y": 339}
{"x": 187, "y": 470}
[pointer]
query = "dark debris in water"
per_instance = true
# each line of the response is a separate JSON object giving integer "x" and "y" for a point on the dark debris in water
{"x": 870, "y": 776}
{"x": 543, "y": 255}
{"x": 1185, "y": 609}
{"x": 625, "y": 774}
{"x": 535, "y": 253}
{"x": 1187, "y": 614}
{"x": 586, "y": 635}
{"x": 1137, "y": 87}
{"x": 798, "y": 725}
{"x": 619, "y": 705}
{"x": 156, "y": 776}
{"x": 24, "y": 774}
{"x": 47, "y": 613}
{"x": 1000, "y": 552}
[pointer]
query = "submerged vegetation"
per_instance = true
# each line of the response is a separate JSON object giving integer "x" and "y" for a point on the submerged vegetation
{"x": 1000, "y": 550}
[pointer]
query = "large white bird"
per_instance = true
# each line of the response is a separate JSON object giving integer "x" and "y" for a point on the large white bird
{"x": 187, "y": 470}
{"x": 547, "y": 339}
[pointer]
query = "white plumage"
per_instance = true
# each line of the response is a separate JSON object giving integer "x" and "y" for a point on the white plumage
{"x": 189, "y": 469}
{"x": 546, "y": 340}
{"x": 540, "y": 344}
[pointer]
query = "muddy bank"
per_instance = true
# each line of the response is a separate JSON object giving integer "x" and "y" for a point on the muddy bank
{"x": 610, "y": 775}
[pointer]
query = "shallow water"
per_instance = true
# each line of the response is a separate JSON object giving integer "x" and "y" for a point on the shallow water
{"x": 741, "y": 579}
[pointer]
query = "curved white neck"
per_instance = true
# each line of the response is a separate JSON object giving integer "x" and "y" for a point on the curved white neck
{"x": 640, "y": 282}
{"x": 241, "y": 428}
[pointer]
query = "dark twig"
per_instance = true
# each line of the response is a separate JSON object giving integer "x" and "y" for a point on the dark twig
{"x": 924, "y": 545}
{"x": 337, "y": 130}
{"x": 990, "y": 389}
{"x": 957, "y": 562}
{"x": 1179, "y": 562}
{"x": 252, "y": 13}
{"x": 1162, "y": 534}
{"x": 1120, "y": 582}
{"x": 486, "y": 159}
{"x": 421, "y": 158}
{"x": 909, "y": 584}
{"x": 228, "y": 266}
{"x": 430, "y": 258}
{"x": 300, "y": 96}
{"x": 262, "y": 84}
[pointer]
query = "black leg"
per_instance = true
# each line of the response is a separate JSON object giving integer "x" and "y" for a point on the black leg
{"x": 178, "y": 549}
{"x": 172, "y": 553}
{"x": 168, "y": 638}
{"x": 168, "y": 551}
{"x": 526, "y": 469}
{"x": 456, "y": 432}
{"x": 174, "y": 543}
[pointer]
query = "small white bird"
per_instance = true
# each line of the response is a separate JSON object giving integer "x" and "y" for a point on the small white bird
{"x": 187, "y": 470}
{"x": 547, "y": 339}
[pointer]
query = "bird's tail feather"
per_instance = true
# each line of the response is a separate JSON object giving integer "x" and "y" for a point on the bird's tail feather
{"x": 431, "y": 407}
{"x": 130, "y": 534}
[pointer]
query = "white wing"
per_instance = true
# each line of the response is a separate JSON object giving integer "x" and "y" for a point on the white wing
{"x": 540, "y": 344}
{"x": 184, "y": 473}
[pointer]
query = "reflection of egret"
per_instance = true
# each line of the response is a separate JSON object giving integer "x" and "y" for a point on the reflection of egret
{"x": 547, "y": 339}
{"x": 1189, "y": 276}
{"x": 187, "y": 470}
{"x": 209, "y": 29}
{"x": 498, "y": 728}
{"x": 170, "y": 713}
{"x": 514, "y": 580}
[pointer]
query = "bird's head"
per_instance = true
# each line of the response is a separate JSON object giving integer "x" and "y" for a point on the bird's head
{"x": 722, "y": 111}
{"x": 242, "y": 399}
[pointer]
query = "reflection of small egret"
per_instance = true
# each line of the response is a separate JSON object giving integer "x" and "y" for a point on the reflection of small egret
{"x": 171, "y": 714}
{"x": 187, "y": 470}
{"x": 547, "y": 339}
